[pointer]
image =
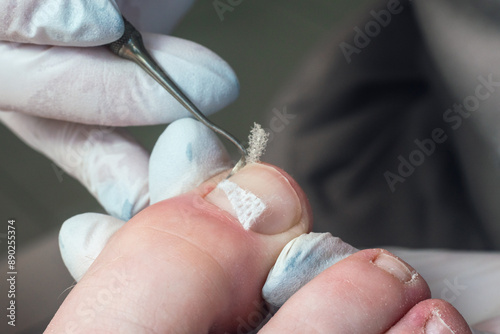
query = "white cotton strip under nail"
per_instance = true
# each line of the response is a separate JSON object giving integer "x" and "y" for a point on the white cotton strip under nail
{"x": 300, "y": 261}
{"x": 246, "y": 205}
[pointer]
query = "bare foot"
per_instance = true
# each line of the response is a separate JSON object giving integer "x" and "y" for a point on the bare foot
{"x": 197, "y": 263}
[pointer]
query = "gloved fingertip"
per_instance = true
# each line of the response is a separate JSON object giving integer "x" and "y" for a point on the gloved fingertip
{"x": 82, "y": 238}
{"x": 185, "y": 155}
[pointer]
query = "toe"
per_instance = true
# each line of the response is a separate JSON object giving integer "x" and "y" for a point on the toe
{"x": 432, "y": 316}
{"x": 365, "y": 293}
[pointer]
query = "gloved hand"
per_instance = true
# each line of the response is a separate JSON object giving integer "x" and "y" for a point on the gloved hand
{"x": 185, "y": 155}
{"x": 51, "y": 86}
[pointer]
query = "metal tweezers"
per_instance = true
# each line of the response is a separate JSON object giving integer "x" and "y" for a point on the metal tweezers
{"x": 130, "y": 46}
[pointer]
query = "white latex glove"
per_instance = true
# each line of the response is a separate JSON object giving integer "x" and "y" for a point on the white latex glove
{"x": 48, "y": 93}
{"x": 185, "y": 155}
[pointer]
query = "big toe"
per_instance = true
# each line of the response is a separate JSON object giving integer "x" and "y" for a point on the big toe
{"x": 206, "y": 253}
{"x": 243, "y": 223}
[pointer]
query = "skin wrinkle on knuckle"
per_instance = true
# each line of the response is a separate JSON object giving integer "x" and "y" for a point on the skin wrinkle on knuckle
{"x": 313, "y": 327}
{"x": 139, "y": 323}
{"x": 211, "y": 288}
{"x": 97, "y": 267}
{"x": 135, "y": 325}
{"x": 365, "y": 298}
{"x": 346, "y": 284}
{"x": 200, "y": 250}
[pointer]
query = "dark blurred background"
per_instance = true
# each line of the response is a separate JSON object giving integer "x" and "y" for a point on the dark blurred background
{"x": 264, "y": 41}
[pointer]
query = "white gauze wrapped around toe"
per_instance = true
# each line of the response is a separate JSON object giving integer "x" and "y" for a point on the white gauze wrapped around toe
{"x": 186, "y": 154}
{"x": 302, "y": 259}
